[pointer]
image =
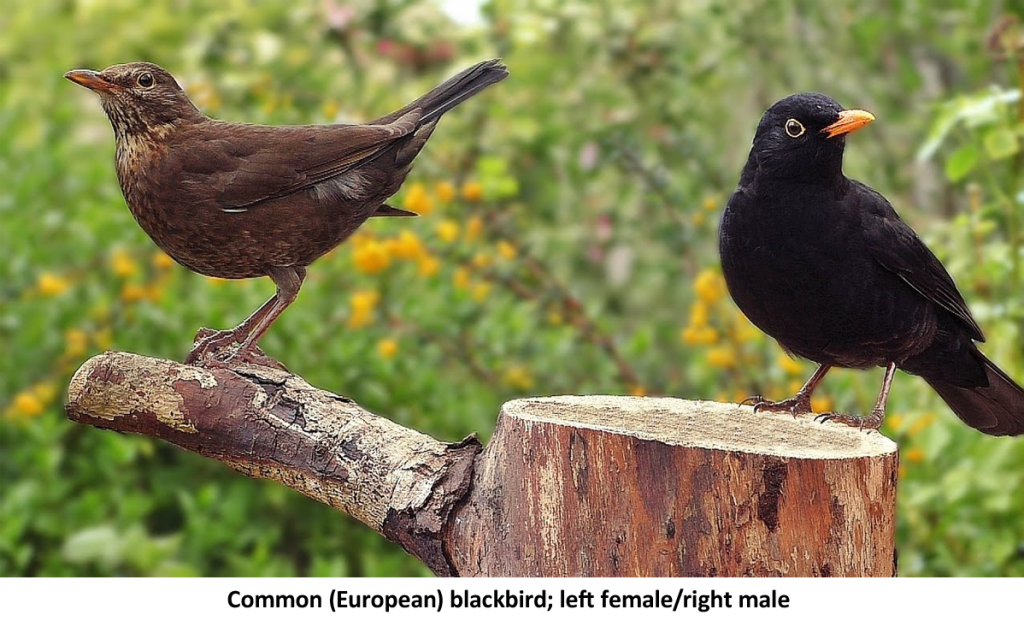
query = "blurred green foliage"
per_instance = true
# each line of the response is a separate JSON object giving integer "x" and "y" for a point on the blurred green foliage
{"x": 568, "y": 245}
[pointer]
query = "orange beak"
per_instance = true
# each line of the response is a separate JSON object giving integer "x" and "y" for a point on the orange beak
{"x": 849, "y": 120}
{"x": 90, "y": 79}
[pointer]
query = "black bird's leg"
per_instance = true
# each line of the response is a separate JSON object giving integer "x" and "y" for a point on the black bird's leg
{"x": 873, "y": 421}
{"x": 798, "y": 404}
{"x": 210, "y": 350}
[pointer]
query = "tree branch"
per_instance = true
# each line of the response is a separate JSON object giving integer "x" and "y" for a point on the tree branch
{"x": 568, "y": 486}
{"x": 270, "y": 424}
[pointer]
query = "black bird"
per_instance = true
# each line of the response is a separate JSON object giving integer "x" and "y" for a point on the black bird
{"x": 824, "y": 265}
{"x": 238, "y": 200}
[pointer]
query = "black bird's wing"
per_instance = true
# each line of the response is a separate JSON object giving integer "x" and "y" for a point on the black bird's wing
{"x": 243, "y": 165}
{"x": 896, "y": 247}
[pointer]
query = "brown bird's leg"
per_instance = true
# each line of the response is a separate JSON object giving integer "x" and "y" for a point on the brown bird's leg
{"x": 247, "y": 333}
{"x": 873, "y": 421}
{"x": 798, "y": 404}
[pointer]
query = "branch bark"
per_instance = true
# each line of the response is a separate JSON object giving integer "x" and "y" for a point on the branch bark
{"x": 571, "y": 485}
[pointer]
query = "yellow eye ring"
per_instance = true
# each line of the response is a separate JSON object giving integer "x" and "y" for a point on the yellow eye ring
{"x": 794, "y": 128}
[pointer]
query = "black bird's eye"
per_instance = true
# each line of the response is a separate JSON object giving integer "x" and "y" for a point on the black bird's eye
{"x": 146, "y": 80}
{"x": 794, "y": 128}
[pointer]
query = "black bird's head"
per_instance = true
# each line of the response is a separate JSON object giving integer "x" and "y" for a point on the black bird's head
{"x": 138, "y": 98}
{"x": 802, "y": 137}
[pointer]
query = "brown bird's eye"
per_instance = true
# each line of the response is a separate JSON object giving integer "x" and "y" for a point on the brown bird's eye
{"x": 146, "y": 80}
{"x": 794, "y": 128}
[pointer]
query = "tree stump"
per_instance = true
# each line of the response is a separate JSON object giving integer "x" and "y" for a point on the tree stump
{"x": 624, "y": 486}
{"x": 568, "y": 485}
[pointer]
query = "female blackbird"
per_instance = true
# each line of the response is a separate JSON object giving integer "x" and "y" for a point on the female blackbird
{"x": 824, "y": 265}
{"x": 238, "y": 200}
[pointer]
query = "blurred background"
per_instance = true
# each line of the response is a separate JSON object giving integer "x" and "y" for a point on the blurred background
{"x": 567, "y": 244}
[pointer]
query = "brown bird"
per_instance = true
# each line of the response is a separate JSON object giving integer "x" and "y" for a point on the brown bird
{"x": 238, "y": 200}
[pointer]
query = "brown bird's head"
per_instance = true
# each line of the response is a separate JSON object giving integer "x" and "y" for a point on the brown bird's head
{"x": 139, "y": 98}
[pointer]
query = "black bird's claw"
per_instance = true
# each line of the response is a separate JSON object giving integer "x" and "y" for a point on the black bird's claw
{"x": 871, "y": 422}
{"x": 754, "y": 400}
{"x": 795, "y": 406}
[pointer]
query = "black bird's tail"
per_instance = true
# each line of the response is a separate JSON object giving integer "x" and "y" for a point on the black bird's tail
{"x": 453, "y": 92}
{"x": 995, "y": 409}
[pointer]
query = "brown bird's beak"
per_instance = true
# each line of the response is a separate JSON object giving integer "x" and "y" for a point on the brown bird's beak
{"x": 848, "y": 121}
{"x": 90, "y": 79}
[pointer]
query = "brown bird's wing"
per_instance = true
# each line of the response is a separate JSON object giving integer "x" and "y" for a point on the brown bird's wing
{"x": 243, "y": 165}
{"x": 896, "y": 247}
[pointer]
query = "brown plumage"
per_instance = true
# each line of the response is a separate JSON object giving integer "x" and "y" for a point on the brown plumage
{"x": 239, "y": 200}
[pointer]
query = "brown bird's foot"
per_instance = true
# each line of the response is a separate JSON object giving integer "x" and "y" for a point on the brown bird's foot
{"x": 871, "y": 422}
{"x": 795, "y": 406}
{"x": 221, "y": 349}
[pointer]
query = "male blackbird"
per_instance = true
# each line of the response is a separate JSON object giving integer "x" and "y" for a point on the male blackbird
{"x": 237, "y": 200}
{"x": 824, "y": 265}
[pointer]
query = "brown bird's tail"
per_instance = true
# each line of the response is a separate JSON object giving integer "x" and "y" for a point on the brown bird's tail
{"x": 995, "y": 409}
{"x": 453, "y": 92}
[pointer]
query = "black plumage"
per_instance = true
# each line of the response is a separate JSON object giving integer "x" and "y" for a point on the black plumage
{"x": 824, "y": 265}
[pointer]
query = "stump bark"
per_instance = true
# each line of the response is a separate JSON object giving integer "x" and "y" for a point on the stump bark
{"x": 568, "y": 485}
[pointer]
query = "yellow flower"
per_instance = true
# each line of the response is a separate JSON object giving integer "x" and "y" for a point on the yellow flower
{"x": 371, "y": 257}
{"x": 709, "y": 286}
{"x": 154, "y": 292}
{"x": 104, "y": 338}
{"x": 418, "y": 200}
{"x": 28, "y": 404}
{"x": 519, "y": 377}
{"x": 359, "y": 318}
{"x": 445, "y": 191}
{"x": 790, "y": 365}
{"x": 821, "y": 404}
{"x": 915, "y": 455}
{"x": 51, "y": 284}
{"x": 710, "y": 203}
{"x": 474, "y": 226}
{"x": 365, "y": 299}
{"x": 895, "y": 421}
{"x": 216, "y": 281}
{"x": 481, "y": 260}
{"x": 699, "y": 314}
{"x": 721, "y": 357}
{"x": 330, "y": 109}
{"x": 75, "y": 342}
{"x": 472, "y": 191}
{"x": 448, "y": 231}
{"x": 45, "y": 391}
{"x": 387, "y": 347}
{"x": 506, "y": 250}
{"x": 698, "y": 219}
{"x": 794, "y": 386}
{"x": 481, "y": 290}
{"x": 700, "y": 336}
{"x": 921, "y": 424}
{"x": 132, "y": 292}
{"x": 637, "y": 390}
{"x": 461, "y": 277}
{"x": 162, "y": 261}
{"x": 721, "y": 396}
{"x": 123, "y": 264}
{"x": 555, "y": 317}
{"x": 406, "y": 246}
{"x": 428, "y": 266}
{"x": 362, "y": 237}
{"x": 743, "y": 330}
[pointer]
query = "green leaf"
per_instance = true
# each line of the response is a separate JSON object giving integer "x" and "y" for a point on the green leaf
{"x": 961, "y": 162}
{"x": 1001, "y": 143}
